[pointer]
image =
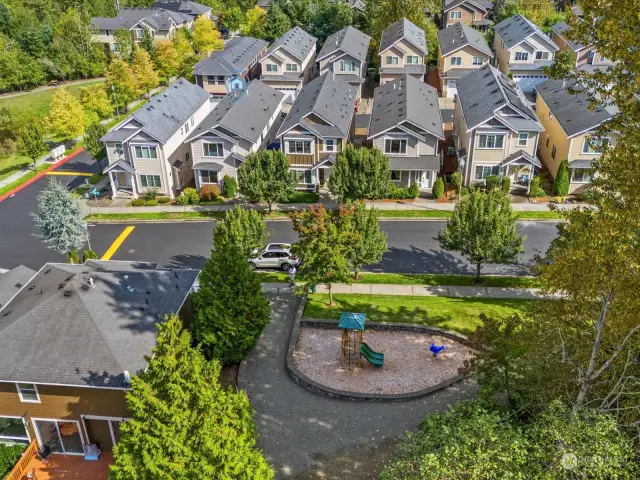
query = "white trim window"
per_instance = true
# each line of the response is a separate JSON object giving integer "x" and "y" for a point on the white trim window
{"x": 542, "y": 55}
{"x": 594, "y": 145}
{"x": 291, "y": 67}
{"x": 483, "y": 171}
{"x": 391, "y": 60}
{"x": 150, "y": 181}
{"x": 412, "y": 59}
{"x": 347, "y": 65}
{"x": 580, "y": 175}
{"x": 13, "y": 430}
{"x": 522, "y": 56}
{"x": 477, "y": 61}
{"x": 329, "y": 145}
{"x": 186, "y": 128}
{"x": 523, "y": 139}
{"x": 139, "y": 33}
{"x": 302, "y": 176}
{"x": 118, "y": 149}
{"x": 456, "y": 61}
{"x": 395, "y": 175}
{"x": 455, "y": 15}
{"x": 490, "y": 141}
{"x": 146, "y": 152}
{"x": 271, "y": 67}
{"x": 299, "y": 146}
{"x": 395, "y": 146}
{"x": 28, "y": 392}
{"x": 208, "y": 176}
{"x": 211, "y": 149}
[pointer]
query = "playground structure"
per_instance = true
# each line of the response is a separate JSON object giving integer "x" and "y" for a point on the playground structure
{"x": 352, "y": 347}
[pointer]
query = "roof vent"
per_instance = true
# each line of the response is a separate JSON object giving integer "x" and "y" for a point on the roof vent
{"x": 67, "y": 293}
{"x": 85, "y": 287}
{"x": 18, "y": 285}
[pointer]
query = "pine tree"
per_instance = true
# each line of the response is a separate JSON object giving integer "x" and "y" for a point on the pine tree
{"x": 66, "y": 117}
{"x": 278, "y": 22}
{"x": 205, "y": 37}
{"x": 265, "y": 175}
{"x": 184, "y": 425}
{"x": 370, "y": 243}
{"x": 59, "y": 219}
{"x": 360, "y": 174}
{"x": 142, "y": 67}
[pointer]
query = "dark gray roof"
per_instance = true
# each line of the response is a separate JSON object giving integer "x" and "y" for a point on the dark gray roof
{"x": 525, "y": 67}
{"x": 484, "y": 91}
{"x": 521, "y": 155}
{"x": 296, "y": 42}
{"x": 59, "y": 329}
{"x": 237, "y": 55}
{"x": 128, "y": 18}
{"x": 329, "y": 98}
{"x": 12, "y": 281}
{"x": 460, "y": 35}
{"x": 245, "y": 115}
{"x": 120, "y": 165}
{"x": 403, "y": 29}
{"x": 485, "y": 5}
{"x": 422, "y": 162}
{"x": 406, "y": 99}
{"x": 350, "y": 40}
{"x": 560, "y": 28}
{"x": 167, "y": 111}
{"x": 458, "y": 72}
{"x": 183, "y": 6}
{"x": 284, "y": 77}
{"x": 118, "y": 135}
{"x": 516, "y": 29}
{"x": 572, "y": 111}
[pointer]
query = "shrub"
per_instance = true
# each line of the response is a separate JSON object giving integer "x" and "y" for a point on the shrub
{"x": 506, "y": 185}
{"x": 397, "y": 193}
{"x": 534, "y": 187}
{"x": 151, "y": 203}
{"x": 191, "y": 196}
{"x": 588, "y": 195}
{"x": 73, "y": 257}
{"x": 163, "y": 199}
{"x": 413, "y": 190}
{"x": 88, "y": 255}
{"x": 493, "y": 182}
{"x": 9, "y": 456}
{"x": 229, "y": 186}
{"x": 207, "y": 192}
{"x": 138, "y": 202}
{"x": 438, "y": 188}
{"x": 180, "y": 200}
{"x": 150, "y": 194}
{"x": 561, "y": 182}
{"x": 456, "y": 180}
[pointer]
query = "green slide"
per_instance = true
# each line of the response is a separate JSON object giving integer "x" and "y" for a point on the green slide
{"x": 374, "y": 358}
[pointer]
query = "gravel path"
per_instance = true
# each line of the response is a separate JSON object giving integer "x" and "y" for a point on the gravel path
{"x": 307, "y": 436}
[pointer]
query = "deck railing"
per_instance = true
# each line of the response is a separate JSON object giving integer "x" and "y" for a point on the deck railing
{"x": 20, "y": 468}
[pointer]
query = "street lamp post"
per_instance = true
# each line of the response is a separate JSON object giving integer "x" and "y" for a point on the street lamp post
{"x": 113, "y": 91}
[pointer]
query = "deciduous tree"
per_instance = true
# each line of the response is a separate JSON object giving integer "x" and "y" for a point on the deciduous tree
{"x": 265, "y": 175}
{"x": 123, "y": 38}
{"x": 232, "y": 18}
{"x": 328, "y": 18}
{"x": 563, "y": 64}
{"x": 541, "y": 12}
{"x": 167, "y": 60}
{"x": 121, "y": 82}
{"x": 255, "y": 23}
{"x": 369, "y": 242}
{"x": 92, "y": 142}
{"x": 143, "y": 72}
{"x": 359, "y": 174}
{"x": 66, "y": 116}
{"x": 30, "y": 136}
{"x": 96, "y": 99}
{"x": 205, "y": 36}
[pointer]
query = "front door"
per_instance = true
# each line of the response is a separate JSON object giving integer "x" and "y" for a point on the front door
{"x": 424, "y": 179}
{"x": 61, "y": 436}
{"x": 123, "y": 180}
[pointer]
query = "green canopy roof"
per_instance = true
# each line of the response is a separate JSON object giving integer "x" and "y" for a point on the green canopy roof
{"x": 352, "y": 321}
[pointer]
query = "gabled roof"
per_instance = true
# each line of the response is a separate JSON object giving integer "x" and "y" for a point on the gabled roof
{"x": 12, "y": 281}
{"x": 405, "y": 99}
{"x": 482, "y": 92}
{"x": 572, "y": 110}
{"x": 482, "y": 5}
{"x": 560, "y": 28}
{"x": 245, "y": 115}
{"x": 128, "y": 18}
{"x": 403, "y": 29}
{"x": 183, "y": 6}
{"x": 329, "y": 98}
{"x": 459, "y": 35}
{"x": 165, "y": 113}
{"x": 516, "y": 29}
{"x": 59, "y": 329}
{"x": 357, "y": 5}
{"x": 350, "y": 40}
{"x": 296, "y": 42}
{"x": 237, "y": 55}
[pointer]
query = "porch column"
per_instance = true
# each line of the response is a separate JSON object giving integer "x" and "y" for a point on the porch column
{"x": 134, "y": 188}
{"x": 113, "y": 187}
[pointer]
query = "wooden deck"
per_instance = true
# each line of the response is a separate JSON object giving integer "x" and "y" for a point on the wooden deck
{"x": 71, "y": 467}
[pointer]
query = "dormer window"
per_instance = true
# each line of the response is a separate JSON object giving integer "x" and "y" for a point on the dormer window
{"x": 292, "y": 67}
{"x": 391, "y": 60}
{"x": 522, "y": 56}
{"x": 272, "y": 67}
{"x": 412, "y": 59}
{"x": 542, "y": 55}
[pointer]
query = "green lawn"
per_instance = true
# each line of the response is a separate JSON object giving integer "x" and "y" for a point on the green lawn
{"x": 146, "y": 216}
{"x": 303, "y": 197}
{"x": 533, "y": 215}
{"x": 458, "y": 314}
{"x": 22, "y": 179}
{"x": 12, "y": 164}
{"x": 545, "y": 215}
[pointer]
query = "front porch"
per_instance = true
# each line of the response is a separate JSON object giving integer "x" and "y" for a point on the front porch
{"x": 520, "y": 167}
{"x": 122, "y": 178}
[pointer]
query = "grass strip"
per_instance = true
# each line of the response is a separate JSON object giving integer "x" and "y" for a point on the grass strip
{"x": 16, "y": 183}
{"x": 154, "y": 216}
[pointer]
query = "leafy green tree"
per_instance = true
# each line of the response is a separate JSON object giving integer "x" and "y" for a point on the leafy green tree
{"x": 167, "y": 60}
{"x": 59, "y": 219}
{"x": 563, "y": 64}
{"x": 92, "y": 142}
{"x": 328, "y": 18}
{"x": 121, "y": 82}
{"x": 278, "y": 22}
{"x": 255, "y": 23}
{"x": 143, "y": 72}
{"x": 299, "y": 12}
{"x": 19, "y": 70}
{"x": 359, "y": 174}
{"x": 186, "y": 55}
{"x": 123, "y": 38}
{"x": 184, "y": 424}
{"x": 265, "y": 175}
{"x": 96, "y": 99}
{"x": 431, "y": 35}
{"x": 66, "y": 116}
{"x": 233, "y": 18}
{"x": 205, "y": 36}
{"x": 148, "y": 43}
{"x": 561, "y": 182}
{"x": 541, "y": 12}
{"x": 483, "y": 230}
{"x": 231, "y": 310}
{"x": 369, "y": 242}
{"x": 30, "y": 136}
{"x": 456, "y": 180}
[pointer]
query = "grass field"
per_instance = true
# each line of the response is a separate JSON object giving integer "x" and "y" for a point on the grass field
{"x": 459, "y": 314}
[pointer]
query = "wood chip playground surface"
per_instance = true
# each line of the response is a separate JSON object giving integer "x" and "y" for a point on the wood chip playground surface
{"x": 408, "y": 367}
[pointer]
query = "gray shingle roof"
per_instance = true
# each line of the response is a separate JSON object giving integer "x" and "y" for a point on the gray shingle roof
{"x": 330, "y": 98}
{"x": 405, "y": 99}
{"x": 59, "y": 329}
{"x": 403, "y": 28}
{"x": 560, "y": 28}
{"x": 12, "y": 281}
{"x": 422, "y": 162}
{"x": 572, "y": 110}
{"x": 459, "y": 35}
{"x": 246, "y": 115}
{"x": 482, "y": 92}
{"x": 350, "y": 40}
{"x": 485, "y": 5}
{"x": 188, "y": 7}
{"x": 521, "y": 154}
{"x": 516, "y": 29}
{"x": 296, "y": 41}
{"x": 237, "y": 55}
{"x": 128, "y": 18}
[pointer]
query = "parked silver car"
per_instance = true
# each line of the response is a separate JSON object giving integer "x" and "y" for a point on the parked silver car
{"x": 274, "y": 255}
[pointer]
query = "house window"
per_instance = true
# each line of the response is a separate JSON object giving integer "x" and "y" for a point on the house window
{"x": 477, "y": 61}
{"x": 391, "y": 60}
{"x": 542, "y": 55}
{"x": 186, "y": 128}
{"x": 395, "y": 175}
{"x": 212, "y": 150}
{"x": 455, "y": 15}
{"x": 146, "y": 152}
{"x": 594, "y": 145}
{"x": 502, "y": 44}
{"x": 581, "y": 176}
{"x": 553, "y": 152}
{"x": 412, "y": 60}
{"x": 139, "y": 33}
{"x": 117, "y": 148}
{"x": 523, "y": 139}
{"x": 546, "y": 143}
{"x": 192, "y": 121}
{"x": 271, "y": 67}
{"x": 299, "y": 146}
{"x": 292, "y": 67}
{"x": 208, "y": 176}
{"x": 483, "y": 171}
{"x": 522, "y": 56}
{"x": 490, "y": 141}
{"x": 150, "y": 181}
{"x": 395, "y": 146}
{"x": 116, "y": 47}
{"x": 348, "y": 66}
{"x": 13, "y": 430}
{"x": 28, "y": 392}
{"x": 330, "y": 145}
{"x": 302, "y": 176}
{"x": 456, "y": 60}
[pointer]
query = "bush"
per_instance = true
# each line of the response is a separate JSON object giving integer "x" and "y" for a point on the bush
{"x": 191, "y": 196}
{"x": 438, "y": 188}
{"x": 493, "y": 182}
{"x": 397, "y": 193}
{"x": 208, "y": 192}
{"x": 150, "y": 194}
{"x": 561, "y": 182}
{"x": 9, "y": 456}
{"x": 506, "y": 185}
{"x": 73, "y": 257}
{"x": 89, "y": 255}
{"x": 138, "y": 202}
{"x": 151, "y": 203}
{"x": 588, "y": 195}
{"x": 163, "y": 199}
{"x": 180, "y": 200}
{"x": 413, "y": 190}
{"x": 456, "y": 180}
{"x": 229, "y": 186}
{"x": 534, "y": 187}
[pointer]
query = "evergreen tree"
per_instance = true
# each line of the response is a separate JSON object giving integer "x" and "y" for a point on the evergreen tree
{"x": 59, "y": 219}
{"x": 143, "y": 72}
{"x": 328, "y": 18}
{"x": 359, "y": 174}
{"x": 369, "y": 242}
{"x": 561, "y": 182}
{"x": 205, "y": 36}
{"x": 121, "y": 83}
{"x": 66, "y": 116}
{"x": 92, "y": 142}
{"x": 278, "y": 22}
{"x": 265, "y": 175}
{"x": 167, "y": 60}
{"x": 483, "y": 230}
{"x": 184, "y": 425}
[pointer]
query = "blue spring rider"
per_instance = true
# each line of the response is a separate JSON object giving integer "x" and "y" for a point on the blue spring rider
{"x": 436, "y": 349}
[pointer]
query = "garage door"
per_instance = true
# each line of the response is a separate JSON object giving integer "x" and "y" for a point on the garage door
{"x": 527, "y": 83}
{"x": 452, "y": 88}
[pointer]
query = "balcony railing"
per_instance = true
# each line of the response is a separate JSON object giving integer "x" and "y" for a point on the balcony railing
{"x": 20, "y": 469}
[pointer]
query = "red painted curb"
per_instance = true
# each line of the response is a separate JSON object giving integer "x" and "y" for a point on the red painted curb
{"x": 41, "y": 174}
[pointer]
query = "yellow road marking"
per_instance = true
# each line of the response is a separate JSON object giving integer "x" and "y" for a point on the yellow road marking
{"x": 117, "y": 242}
{"x": 77, "y": 174}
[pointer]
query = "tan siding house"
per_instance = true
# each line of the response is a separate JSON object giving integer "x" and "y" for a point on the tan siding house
{"x": 403, "y": 47}
{"x": 473, "y": 13}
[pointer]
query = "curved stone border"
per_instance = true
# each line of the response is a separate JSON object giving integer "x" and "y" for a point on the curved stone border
{"x": 301, "y": 379}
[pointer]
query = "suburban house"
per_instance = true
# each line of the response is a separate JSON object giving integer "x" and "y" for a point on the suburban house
{"x": 495, "y": 130}
{"x": 473, "y": 13}
{"x": 586, "y": 56}
{"x": 317, "y": 127}
{"x": 12, "y": 281}
{"x": 571, "y": 130}
{"x": 345, "y": 53}
{"x": 239, "y": 125}
{"x": 403, "y": 46}
{"x": 523, "y": 50}
{"x": 263, "y": 4}
{"x": 161, "y": 23}
{"x": 147, "y": 150}
{"x": 461, "y": 50}
{"x": 196, "y": 10}
{"x": 72, "y": 338}
{"x": 289, "y": 63}
{"x": 406, "y": 125}
{"x": 239, "y": 58}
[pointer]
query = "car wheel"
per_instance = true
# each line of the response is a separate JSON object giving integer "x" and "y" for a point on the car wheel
{"x": 253, "y": 265}
{"x": 286, "y": 267}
